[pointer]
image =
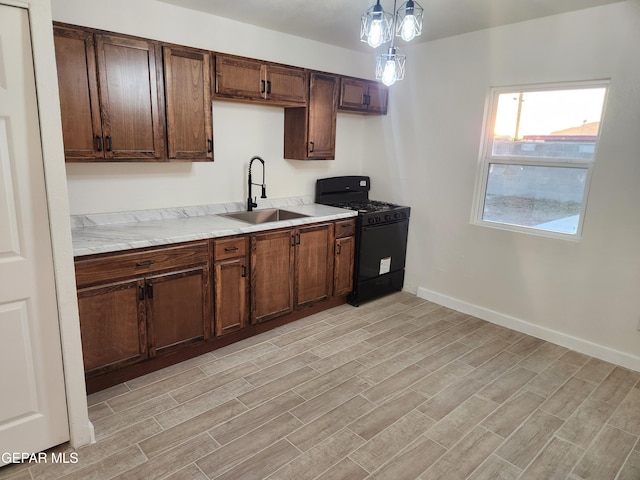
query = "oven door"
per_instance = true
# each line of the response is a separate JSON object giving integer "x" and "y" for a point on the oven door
{"x": 382, "y": 250}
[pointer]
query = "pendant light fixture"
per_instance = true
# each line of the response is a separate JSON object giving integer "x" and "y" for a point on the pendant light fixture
{"x": 409, "y": 20}
{"x": 378, "y": 27}
{"x": 390, "y": 66}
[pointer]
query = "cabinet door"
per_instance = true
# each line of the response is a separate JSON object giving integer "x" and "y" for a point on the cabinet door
{"x": 323, "y": 104}
{"x": 353, "y": 94}
{"x": 286, "y": 85}
{"x": 112, "y": 325}
{"x": 78, "y": 89}
{"x": 377, "y": 98}
{"x": 129, "y": 98}
{"x": 188, "y": 104}
{"x": 313, "y": 264}
{"x": 240, "y": 78}
{"x": 363, "y": 96}
{"x": 310, "y": 132}
{"x": 231, "y": 295}
{"x": 178, "y": 309}
{"x": 343, "y": 268}
{"x": 271, "y": 275}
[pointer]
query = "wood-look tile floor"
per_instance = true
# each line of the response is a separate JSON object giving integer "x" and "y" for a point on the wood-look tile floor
{"x": 398, "y": 388}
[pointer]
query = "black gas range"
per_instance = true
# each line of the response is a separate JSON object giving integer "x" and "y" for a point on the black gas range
{"x": 381, "y": 235}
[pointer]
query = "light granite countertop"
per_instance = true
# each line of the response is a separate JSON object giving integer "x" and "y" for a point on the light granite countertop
{"x": 112, "y": 232}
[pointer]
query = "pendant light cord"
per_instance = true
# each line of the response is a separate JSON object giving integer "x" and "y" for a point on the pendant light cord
{"x": 393, "y": 24}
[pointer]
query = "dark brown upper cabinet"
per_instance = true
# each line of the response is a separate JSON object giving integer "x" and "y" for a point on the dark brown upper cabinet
{"x": 187, "y": 86}
{"x": 362, "y": 96}
{"x": 245, "y": 79}
{"x": 126, "y": 98}
{"x": 78, "y": 87}
{"x": 127, "y": 76}
{"x": 310, "y": 132}
{"x": 110, "y": 102}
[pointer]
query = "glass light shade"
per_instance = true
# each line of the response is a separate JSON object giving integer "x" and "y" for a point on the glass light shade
{"x": 376, "y": 26}
{"x": 390, "y": 67}
{"x": 409, "y": 20}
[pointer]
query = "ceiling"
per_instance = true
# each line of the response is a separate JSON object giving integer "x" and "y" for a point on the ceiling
{"x": 337, "y": 22}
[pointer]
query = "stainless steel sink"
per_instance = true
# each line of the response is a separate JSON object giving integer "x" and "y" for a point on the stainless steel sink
{"x": 265, "y": 215}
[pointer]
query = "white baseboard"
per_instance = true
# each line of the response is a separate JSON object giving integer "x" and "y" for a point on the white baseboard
{"x": 574, "y": 343}
{"x": 92, "y": 432}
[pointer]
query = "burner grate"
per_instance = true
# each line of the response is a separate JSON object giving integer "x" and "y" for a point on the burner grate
{"x": 366, "y": 206}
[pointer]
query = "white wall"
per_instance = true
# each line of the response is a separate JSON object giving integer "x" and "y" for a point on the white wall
{"x": 582, "y": 294}
{"x": 240, "y": 130}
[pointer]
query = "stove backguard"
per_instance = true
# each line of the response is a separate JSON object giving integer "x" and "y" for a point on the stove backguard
{"x": 342, "y": 189}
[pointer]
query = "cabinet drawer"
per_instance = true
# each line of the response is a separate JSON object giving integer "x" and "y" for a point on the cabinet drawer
{"x": 345, "y": 228}
{"x": 122, "y": 265}
{"x": 229, "y": 248}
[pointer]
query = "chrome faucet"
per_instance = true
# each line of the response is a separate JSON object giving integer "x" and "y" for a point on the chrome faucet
{"x": 251, "y": 202}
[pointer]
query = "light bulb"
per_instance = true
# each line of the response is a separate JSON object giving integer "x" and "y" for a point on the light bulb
{"x": 408, "y": 28}
{"x": 389, "y": 73}
{"x": 375, "y": 35}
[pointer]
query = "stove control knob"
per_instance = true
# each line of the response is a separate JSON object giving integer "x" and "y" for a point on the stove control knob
{"x": 387, "y": 217}
{"x": 396, "y": 216}
{"x": 370, "y": 220}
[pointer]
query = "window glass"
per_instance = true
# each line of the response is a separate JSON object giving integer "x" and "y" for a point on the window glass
{"x": 539, "y": 151}
{"x": 548, "y": 124}
{"x": 544, "y": 198}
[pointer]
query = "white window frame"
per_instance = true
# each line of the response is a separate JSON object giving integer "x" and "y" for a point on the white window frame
{"x": 486, "y": 157}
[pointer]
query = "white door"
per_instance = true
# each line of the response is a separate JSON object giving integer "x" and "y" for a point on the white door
{"x": 33, "y": 412}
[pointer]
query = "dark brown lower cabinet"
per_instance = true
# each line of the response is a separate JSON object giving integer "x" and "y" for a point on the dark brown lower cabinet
{"x": 178, "y": 309}
{"x": 313, "y": 264}
{"x": 271, "y": 274}
{"x": 231, "y": 285}
{"x": 146, "y": 309}
{"x": 113, "y": 324}
{"x": 290, "y": 270}
{"x": 135, "y": 306}
{"x": 345, "y": 246}
{"x": 343, "y": 270}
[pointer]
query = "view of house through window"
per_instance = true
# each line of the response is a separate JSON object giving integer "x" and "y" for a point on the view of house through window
{"x": 539, "y": 150}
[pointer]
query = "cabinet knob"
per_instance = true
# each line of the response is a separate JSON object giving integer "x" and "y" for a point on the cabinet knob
{"x": 312, "y": 147}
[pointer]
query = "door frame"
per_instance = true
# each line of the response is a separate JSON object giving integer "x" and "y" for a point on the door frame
{"x": 41, "y": 29}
